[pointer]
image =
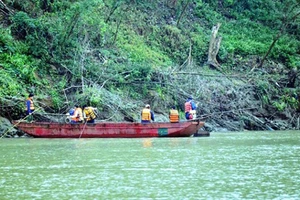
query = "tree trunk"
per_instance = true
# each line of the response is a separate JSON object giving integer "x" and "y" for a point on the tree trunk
{"x": 214, "y": 46}
{"x": 190, "y": 56}
{"x": 116, "y": 33}
{"x": 270, "y": 48}
{"x": 181, "y": 14}
{"x": 111, "y": 12}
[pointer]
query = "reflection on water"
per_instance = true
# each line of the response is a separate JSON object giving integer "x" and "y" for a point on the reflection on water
{"x": 147, "y": 142}
{"x": 248, "y": 165}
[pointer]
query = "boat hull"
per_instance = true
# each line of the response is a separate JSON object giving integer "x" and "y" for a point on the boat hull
{"x": 110, "y": 129}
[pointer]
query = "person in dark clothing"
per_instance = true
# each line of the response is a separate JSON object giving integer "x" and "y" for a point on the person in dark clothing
{"x": 29, "y": 107}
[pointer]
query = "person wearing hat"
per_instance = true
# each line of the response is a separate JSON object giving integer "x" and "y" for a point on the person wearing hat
{"x": 29, "y": 107}
{"x": 189, "y": 108}
{"x": 147, "y": 114}
{"x": 173, "y": 115}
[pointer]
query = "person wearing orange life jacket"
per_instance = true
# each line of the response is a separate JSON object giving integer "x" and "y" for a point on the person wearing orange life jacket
{"x": 89, "y": 114}
{"x": 188, "y": 107}
{"x": 77, "y": 117}
{"x": 173, "y": 115}
{"x": 147, "y": 114}
{"x": 29, "y": 104}
{"x": 29, "y": 107}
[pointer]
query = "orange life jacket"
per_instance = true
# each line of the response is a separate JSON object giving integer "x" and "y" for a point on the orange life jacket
{"x": 146, "y": 115}
{"x": 174, "y": 116}
{"x": 77, "y": 115}
{"x": 31, "y": 104}
{"x": 187, "y": 107}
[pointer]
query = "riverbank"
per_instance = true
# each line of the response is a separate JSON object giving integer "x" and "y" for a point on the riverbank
{"x": 256, "y": 100}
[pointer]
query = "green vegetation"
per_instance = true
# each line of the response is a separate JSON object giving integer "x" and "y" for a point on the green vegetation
{"x": 91, "y": 50}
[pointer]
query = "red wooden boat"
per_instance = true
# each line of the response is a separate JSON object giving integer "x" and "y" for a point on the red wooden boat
{"x": 110, "y": 129}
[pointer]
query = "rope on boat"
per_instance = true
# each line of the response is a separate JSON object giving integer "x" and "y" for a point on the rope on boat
{"x": 15, "y": 125}
{"x": 83, "y": 129}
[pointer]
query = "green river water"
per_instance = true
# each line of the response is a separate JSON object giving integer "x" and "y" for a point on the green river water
{"x": 245, "y": 165}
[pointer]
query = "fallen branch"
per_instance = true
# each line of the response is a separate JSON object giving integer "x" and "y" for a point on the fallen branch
{"x": 263, "y": 124}
{"x": 5, "y": 9}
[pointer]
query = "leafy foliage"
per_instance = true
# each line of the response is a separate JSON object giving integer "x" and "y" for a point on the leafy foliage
{"x": 118, "y": 46}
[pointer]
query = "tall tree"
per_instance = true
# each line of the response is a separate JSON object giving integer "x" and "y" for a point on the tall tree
{"x": 182, "y": 12}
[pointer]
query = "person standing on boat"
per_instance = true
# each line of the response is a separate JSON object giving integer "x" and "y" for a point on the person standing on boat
{"x": 173, "y": 115}
{"x": 147, "y": 114}
{"x": 29, "y": 107}
{"x": 77, "y": 117}
{"x": 189, "y": 108}
{"x": 89, "y": 114}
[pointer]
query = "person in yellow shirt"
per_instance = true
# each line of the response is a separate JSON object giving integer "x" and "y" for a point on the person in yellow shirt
{"x": 89, "y": 114}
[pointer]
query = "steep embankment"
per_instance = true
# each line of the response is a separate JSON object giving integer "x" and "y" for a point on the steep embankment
{"x": 236, "y": 102}
{"x": 120, "y": 55}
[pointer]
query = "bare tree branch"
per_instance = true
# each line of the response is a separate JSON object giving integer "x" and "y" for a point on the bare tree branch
{"x": 214, "y": 46}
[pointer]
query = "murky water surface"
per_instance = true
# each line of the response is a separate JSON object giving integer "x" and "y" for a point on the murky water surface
{"x": 247, "y": 165}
